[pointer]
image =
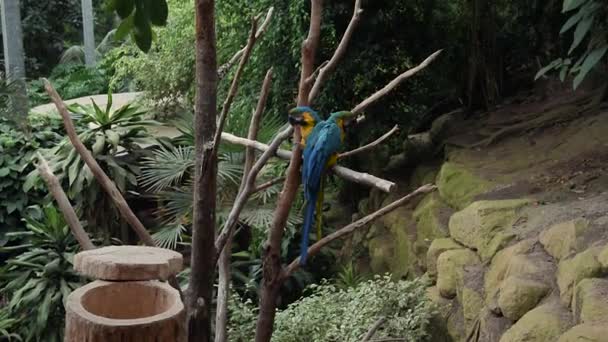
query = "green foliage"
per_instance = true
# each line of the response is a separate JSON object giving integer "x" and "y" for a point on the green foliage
{"x": 49, "y": 26}
{"x": 589, "y": 19}
{"x": 39, "y": 276}
{"x": 138, "y": 17}
{"x": 115, "y": 138}
{"x": 16, "y": 151}
{"x": 334, "y": 314}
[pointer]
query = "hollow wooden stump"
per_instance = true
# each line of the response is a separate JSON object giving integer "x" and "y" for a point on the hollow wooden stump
{"x": 115, "y": 310}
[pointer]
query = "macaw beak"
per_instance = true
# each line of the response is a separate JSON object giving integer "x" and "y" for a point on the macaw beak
{"x": 295, "y": 121}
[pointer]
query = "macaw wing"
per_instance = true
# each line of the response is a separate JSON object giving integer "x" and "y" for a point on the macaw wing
{"x": 323, "y": 142}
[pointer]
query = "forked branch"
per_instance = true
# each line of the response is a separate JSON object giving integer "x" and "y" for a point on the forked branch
{"x": 234, "y": 87}
{"x": 370, "y": 145}
{"x": 393, "y": 84}
{"x": 223, "y": 70}
{"x": 338, "y": 54}
{"x": 350, "y": 175}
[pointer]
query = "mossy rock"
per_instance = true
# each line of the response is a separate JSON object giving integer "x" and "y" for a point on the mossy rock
{"x": 491, "y": 326}
{"x": 391, "y": 253}
{"x": 446, "y": 308}
{"x": 603, "y": 257}
{"x": 572, "y": 270}
{"x": 458, "y": 186}
{"x": 432, "y": 216}
{"x": 544, "y": 323}
{"x": 423, "y": 174}
{"x": 590, "y": 302}
{"x": 437, "y": 247}
{"x": 486, "y": 226}
{"x": 520, "y": 295}
{"x": 564, "y": 239}
{"x": 450, "y": 269}
{"x": 586, "y": 333}
{"x": 500, "y": 265}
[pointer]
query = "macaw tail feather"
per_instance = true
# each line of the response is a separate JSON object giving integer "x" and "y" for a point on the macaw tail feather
{"x": 308, "y": 219}
{"x": 319, "y": 210}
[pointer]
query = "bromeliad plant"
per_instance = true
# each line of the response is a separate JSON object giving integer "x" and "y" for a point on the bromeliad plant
{"x": 39, "y": 276}
{"x": 116, "y": 138}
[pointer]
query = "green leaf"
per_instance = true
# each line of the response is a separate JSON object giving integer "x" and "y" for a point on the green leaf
{"x": 123, "y": 7}
{"x": 554, "y": 64}
{"x": 573, "y": 20}
{"x": 142, "y": 34}
{"x": 100, "y": 143}
{"x": 158, "y": 11}
{"x": 581, "y": 31}
{"x": 562, "y": 73}
{"x": 569, "y": 5}
{"x": 4, "y": 171}
{"x": 124, "y": 28}
{"x": 113, "y": 137}
{"x": 592, "y": 59}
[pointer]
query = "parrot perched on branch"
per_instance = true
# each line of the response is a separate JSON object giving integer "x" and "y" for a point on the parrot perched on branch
{"x": 321, "y": 146}
{"x": 306, "y": 118}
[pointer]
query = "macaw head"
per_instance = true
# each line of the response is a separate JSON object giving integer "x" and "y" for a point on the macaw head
{"x": 341, "y": 117}
{"x": 305, "y": 117}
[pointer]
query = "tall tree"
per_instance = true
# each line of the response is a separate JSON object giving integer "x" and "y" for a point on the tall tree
{"x": 203, "y": 230}
{"x": 88, "y": 29}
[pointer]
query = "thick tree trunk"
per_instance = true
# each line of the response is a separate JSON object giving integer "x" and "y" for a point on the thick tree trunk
{"x": 203, "y": 236}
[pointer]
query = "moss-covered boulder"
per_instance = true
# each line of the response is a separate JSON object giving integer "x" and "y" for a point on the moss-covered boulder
{"x": 603, "y": 257}
{"x": 520, "y": 295}
{"x": 572, "y": 270}
{"x": 491, "y": 326}
{"x": 544, "y": 323}
{"x": 431, "y": 216}
{"x": 450, "y": 269}
{"x": 444, "y": 325}
{"x": 511, "y": 260}
{"x": 391, "y": 253}
{"x": 564, "y": 238}
{"x": 590, "y": 302}
{"x": 486, "y": 226}
{"x": 437, "y": 247}
{"x": 470, "y": 294}
{"x": 586, "y": 333}
{"x": 458, "y": 186}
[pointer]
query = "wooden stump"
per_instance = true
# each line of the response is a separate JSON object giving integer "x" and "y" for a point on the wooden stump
{"x": 129, "y": 304}
{"x": 135, "y": 311}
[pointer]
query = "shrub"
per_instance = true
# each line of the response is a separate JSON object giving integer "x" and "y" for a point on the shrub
{"x": 39, "y": 278}
{"x": 334, "y": 314}
{"x": 16, "y": 151}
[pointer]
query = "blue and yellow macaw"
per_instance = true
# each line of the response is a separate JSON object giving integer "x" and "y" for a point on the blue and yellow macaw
{"x": 322, "y": 144}
{"x": 306, "y": 118}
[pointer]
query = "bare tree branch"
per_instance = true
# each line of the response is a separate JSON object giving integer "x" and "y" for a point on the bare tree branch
{"x": 243, "y": 196}
{"x": 370, "y": 145}
{"x": 393, "y": 84}
{"x": 372, "y": 330}
{"x": 224, "y": 262}
{"x": 309, "y": 48}
{"x": 223, "y": 70}
{"x": 64, "y": 204}
{"x": 314, "y": 249}
{"x": 340, "y": 171}
{"x": 234, "y": 87}
{"x": 105, "y": 182}
{"x": 268, "y": 184}
{"x": 272, "y": 267}
{"x": 338, "y": 54}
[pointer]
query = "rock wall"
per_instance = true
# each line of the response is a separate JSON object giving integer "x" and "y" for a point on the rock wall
{"x": 514, "y": 242}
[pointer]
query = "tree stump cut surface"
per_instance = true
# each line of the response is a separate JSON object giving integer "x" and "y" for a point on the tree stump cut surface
{"x": 135, "y": 311}
{"x": 128, "y": 263}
